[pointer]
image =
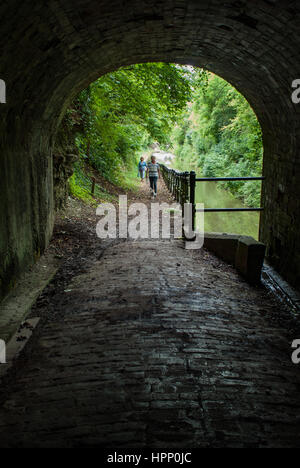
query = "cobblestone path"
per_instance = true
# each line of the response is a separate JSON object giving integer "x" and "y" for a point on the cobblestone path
{"x": 156, "y": 347}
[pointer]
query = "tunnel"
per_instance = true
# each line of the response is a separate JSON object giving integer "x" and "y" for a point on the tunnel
{"x": 52, "y": 50}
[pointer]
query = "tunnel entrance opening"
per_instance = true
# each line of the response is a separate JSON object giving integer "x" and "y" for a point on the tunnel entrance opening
{"x": 121, "y": 100}
{"x": 214, "y": 131}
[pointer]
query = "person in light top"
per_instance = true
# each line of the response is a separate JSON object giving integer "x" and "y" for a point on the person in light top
{"x": 153, "y": 172}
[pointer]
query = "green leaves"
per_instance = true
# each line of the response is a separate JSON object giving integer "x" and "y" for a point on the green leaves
{"x": 125, "y": 111}
{"x": 221, "y": 134}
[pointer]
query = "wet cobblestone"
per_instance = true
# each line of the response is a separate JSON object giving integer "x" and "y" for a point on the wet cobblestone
{"x": 150, "y": 354}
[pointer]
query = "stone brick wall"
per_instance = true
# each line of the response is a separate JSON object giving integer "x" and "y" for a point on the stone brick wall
{"x": 52, "y": 50}
{"x": 65, "y": 153}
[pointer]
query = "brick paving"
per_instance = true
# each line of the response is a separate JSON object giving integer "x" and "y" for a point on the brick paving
{"x": 155, "y": 346}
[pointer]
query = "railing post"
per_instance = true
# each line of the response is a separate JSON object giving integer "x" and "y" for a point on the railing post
{"x": 93, "y": 185}
{"x": 185, "y": 190}
{"x": 173, "y": 183}
{"x": 192, "y": 197}
{"x": 181, "y": 188}
{"x": 186, "y": 184}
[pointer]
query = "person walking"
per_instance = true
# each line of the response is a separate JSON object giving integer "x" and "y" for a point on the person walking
{"x": 154, "y": 174}
{"x": 142, "y": 169}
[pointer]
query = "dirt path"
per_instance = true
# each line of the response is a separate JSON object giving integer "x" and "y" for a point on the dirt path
{"x": 146, "y": 344}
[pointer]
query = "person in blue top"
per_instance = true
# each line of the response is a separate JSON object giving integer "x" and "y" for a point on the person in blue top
{"x": 142, "y": 169}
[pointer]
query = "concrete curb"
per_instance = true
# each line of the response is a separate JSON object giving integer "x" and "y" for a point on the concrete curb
{"x": 243, "y": 252}
{"x": 281, "y": 288}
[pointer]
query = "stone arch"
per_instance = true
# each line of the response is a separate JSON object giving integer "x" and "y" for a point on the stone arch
{"x": 52, "y": 51}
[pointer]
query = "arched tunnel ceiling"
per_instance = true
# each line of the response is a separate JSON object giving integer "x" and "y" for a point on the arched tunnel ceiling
{"x": 51, "y": 50}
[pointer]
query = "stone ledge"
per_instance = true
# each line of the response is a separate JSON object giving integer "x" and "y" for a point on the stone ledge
{"x": 245, "y": 253}
{"x": 282, "y": 290}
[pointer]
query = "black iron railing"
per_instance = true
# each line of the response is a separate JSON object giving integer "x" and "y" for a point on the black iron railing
{"x": 182, "y": 185}
{"x": 178, "y": 184}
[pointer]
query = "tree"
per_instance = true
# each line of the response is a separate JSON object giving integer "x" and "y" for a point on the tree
{"x": 222, "y": 137}
{"x": 125, "y": 111}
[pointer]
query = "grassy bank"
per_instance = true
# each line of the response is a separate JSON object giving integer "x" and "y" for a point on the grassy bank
{"x": 80, "y": 184}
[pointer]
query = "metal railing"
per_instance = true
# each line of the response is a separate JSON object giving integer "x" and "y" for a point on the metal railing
{"x": 182, "y": 186}
{"x": 178, "y": 183}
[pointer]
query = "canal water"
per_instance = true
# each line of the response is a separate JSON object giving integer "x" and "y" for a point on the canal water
{"x": 246, "y": 223}
{"x": 213, "y": 196}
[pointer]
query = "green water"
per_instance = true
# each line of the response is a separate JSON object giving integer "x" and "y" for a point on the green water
{"x": 246, "y": 223}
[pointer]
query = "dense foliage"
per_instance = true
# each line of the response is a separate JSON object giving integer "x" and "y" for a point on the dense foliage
{"x": 123, "y": 112}
{"x": 220, "y": 136}
{"x": 211, "y": 127}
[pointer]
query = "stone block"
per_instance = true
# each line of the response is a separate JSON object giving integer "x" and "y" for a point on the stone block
{"x": 222, "y": 244}
{"x": 245, "y": 253}
{"x": 249, "y": 258}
